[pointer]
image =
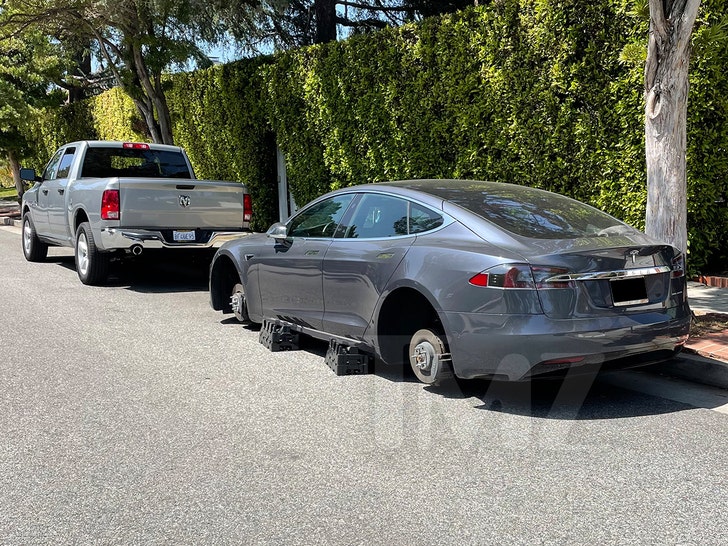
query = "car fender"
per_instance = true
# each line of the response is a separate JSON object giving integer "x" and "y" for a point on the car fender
{"x": 235, "y": 254}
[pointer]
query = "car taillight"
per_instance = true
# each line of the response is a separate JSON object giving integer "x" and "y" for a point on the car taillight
{"x": 548, "y": 277}
{"x": 520, "y": 276}
{"x": 110, "y": 205}
{"x": 135, "y": 146}
{"x": 505, "y": 276}
{"x": 247, "y": 208}
{"x": 678, "y": 266}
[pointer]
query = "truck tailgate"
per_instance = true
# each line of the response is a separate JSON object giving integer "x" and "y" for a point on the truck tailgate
{"x": 178, "y": 203}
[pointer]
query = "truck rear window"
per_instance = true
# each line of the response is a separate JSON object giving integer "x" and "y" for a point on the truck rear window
{"x": 130, "y": 163}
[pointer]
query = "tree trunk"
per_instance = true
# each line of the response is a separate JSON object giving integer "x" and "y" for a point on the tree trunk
{"x": 325, "y": 12}
{"x": 82, "y": 59}
{"x": 15, "y": 168}
{"x": 147, "y": 112}
{"x": 666, "y": 95}
{"x": 157, "y": 102}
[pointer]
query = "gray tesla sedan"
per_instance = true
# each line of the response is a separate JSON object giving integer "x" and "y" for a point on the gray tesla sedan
{"x": 475, "y": 279}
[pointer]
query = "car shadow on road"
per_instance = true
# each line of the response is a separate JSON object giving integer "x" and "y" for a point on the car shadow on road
{"x": 586, "y": 397}
{"x": 153, "y": 273}
{"x": 582, "y": 397}
{"x": 591, "y": 396}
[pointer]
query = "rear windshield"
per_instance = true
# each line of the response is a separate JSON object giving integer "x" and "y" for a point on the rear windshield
{"x": 130, "y": 163}
{"x": 533, "y": 213}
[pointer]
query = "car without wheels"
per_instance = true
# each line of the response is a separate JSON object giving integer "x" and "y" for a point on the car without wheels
{"x": 464, "y": 278}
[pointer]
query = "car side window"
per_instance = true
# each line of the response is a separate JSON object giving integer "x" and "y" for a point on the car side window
{"x": 377, "y": 216}
{"x": 50, "y": 171}
{"x": 422, "y": 219}
{"x": 321, "y": 219}
{"x": 64, "y": 167}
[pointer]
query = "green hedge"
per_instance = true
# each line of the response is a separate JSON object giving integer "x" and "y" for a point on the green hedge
{"x": 547, "y": 94}
{"x": 218, "y": 117}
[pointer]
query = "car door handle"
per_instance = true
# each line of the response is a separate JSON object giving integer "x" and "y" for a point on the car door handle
{"x": 311, "y": 252}
{"x": 61, "y": 191}
{"x": 45, "y": 192}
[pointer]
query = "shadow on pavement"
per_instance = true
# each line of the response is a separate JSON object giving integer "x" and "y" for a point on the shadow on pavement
{"x": 154, "y": 273}
{"x": 581, "y": 397}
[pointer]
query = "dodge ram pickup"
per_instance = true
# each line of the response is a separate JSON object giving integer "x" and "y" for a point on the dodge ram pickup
{"x": 113, "y": 199}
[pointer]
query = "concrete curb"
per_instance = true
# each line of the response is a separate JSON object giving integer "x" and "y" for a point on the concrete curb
{"x": 695, "y": 368}
{"x": 10, "y": 222}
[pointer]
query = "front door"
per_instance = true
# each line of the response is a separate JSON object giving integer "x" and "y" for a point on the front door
{"x": 40, "y": 211}
{"x": 58, "y": 221}
{"x": 358, "y": 266}
{"x": 289, "y": 273}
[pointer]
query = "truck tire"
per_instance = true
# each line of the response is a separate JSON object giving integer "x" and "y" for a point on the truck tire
{"x": 92, "y": 265}
{"x": 34, "y": 249}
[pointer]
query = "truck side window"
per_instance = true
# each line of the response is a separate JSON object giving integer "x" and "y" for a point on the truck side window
{"x": 65, "y": 165}
{"x": 50, "y": 171}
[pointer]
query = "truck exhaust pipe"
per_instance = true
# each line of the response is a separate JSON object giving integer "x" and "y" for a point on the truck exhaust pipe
{"x": 137, "y": 249}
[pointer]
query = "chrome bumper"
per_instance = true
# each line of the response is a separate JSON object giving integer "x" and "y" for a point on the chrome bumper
{"x": 125, "y": 239}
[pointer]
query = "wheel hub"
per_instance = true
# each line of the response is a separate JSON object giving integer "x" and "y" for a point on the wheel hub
{"x": 425, "y": 356}
{"x": 82, "y": 254}
{"x": 236, "y": 302}
{"x": 27, "y": 237}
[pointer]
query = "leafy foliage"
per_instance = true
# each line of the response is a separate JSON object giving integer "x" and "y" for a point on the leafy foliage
{"x": 218, "y": 117}
{"x": 546, "y": 94}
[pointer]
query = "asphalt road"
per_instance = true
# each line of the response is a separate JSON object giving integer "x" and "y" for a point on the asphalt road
{"x": 134, "y": 414}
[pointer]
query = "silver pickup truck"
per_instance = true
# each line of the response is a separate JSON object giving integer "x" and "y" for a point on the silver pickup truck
{"x": 109, "y": 199}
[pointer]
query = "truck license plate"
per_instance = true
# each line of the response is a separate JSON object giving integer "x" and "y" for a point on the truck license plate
{"x": 183, "y": 235}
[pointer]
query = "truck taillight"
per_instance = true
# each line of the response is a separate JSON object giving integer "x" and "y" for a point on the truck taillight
{"x": 247, "y": 208}
{"x": 135, "y": 146}
{"x": 110, "y": 205}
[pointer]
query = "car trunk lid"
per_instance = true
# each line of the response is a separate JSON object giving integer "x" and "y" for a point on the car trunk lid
{"x": 608, "y": 281}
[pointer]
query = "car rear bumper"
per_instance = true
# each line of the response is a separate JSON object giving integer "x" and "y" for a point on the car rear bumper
{"x": 128, "y": 239}
{"x": 519, "y": 347}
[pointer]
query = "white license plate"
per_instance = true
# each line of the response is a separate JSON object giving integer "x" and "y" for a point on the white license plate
{"x": 183, "y": 235}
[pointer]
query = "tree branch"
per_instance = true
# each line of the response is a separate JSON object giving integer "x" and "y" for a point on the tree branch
{"x": 371, "y": 22}
{"x": 658, "y": 22}
{"x": 368, "y": 7}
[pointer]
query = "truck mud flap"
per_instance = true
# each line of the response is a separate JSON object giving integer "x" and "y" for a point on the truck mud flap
{"x": 278, "y": 337}
{"x": 344, "y": 360}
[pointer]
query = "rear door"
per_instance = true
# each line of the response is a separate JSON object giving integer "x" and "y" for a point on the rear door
{"x": 361, "y": 260}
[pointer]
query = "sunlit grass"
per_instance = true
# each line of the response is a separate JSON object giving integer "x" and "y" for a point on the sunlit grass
{"x": 8, "y": 193}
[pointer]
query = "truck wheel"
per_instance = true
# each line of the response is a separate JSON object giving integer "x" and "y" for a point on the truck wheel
{"x": 34, "y": 249}
{"x": 429, "y": 358}
{"x": 237, "y": 302}
{"x": 92, "y": 265}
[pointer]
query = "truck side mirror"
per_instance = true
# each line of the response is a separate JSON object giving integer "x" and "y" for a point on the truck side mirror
{"x": 28, "y": 175}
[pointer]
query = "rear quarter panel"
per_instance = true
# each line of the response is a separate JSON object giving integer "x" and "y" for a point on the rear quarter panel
{"x": 84, "y": 199}
{"x": 439, "y": 266}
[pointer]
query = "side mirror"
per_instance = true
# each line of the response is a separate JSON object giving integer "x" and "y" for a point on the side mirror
{"x": 278, "y": 231}
{"x": 28, "y": 175}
